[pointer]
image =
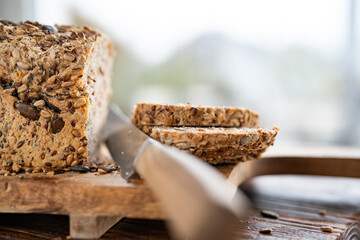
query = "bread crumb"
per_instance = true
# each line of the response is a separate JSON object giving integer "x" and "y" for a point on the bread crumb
{"x": 322, "y": 212}
{"x": 100, "y": 171}
{"x": 328, "y": 229}
{"x": 265, "y": 231}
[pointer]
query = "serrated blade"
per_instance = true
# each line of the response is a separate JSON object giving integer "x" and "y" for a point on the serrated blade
{"x": 124, "y": 141}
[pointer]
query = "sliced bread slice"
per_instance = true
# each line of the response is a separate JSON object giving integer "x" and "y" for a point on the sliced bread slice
{"x": 216, "y": 144}
{"x": 148, "y": 114}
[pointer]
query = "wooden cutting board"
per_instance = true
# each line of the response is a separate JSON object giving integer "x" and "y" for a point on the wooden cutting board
{"x": 297, "y": 199}
{"x": 96, "y": 202}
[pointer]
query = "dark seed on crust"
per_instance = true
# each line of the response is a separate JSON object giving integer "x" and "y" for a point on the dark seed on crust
{"x": 148, "y": 112}
{"x": 14, "y": 93}
{"x": 50, "y": 105}
{"x": 49, "y": 29}
{"x": 57, "y": 125}
{"x": 27, "y": 110}
{"x": 81, "y": 169}
{"x": 0, "y": 133}
{"x": 48, "y": 164}
{"x": 73, "y": 123}
{"x": 2, "y": 81}
{"x": 42, "y": 156}
{"x": 20, "y": 144}
{"x": 269, "y": 214}
{"x": 30, "y": 78}
{"x": 5, "y": 85}
{"x": 194, "y": 111}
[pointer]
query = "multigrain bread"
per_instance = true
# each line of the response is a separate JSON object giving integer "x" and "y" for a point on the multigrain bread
{"x": 148, "y": 114}
{"x": 216, "y": 144}
{"x": 214, "y": 134}
{"x": 55, "y": 88}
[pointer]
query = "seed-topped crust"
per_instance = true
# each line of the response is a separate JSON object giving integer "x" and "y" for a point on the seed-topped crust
{"x": 148, "y": 114}
{"x": 216, "y": 144}
{"x": 50, "y": 78}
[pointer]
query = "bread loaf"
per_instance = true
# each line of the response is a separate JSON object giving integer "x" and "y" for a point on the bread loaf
{"x": 55, "y": 88}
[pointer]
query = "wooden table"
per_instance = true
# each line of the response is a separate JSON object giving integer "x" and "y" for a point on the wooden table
{"x": 298, "y": 200}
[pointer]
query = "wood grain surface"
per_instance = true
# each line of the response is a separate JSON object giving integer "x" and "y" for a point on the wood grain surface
{"x": 78, "y": 194}
{"x": 297, "y": 199}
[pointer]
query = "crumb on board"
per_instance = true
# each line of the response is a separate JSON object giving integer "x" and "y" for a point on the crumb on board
{"x": 269, "y": 214}
{"x": 322, "y": 212}
{"x": 265, "y": 231}
{"x": 328, "y": 229}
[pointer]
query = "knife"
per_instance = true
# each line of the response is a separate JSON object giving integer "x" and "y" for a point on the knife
{"x": 198, "y": 201}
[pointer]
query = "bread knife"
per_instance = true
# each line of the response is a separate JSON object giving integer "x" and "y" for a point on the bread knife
{"x": 197, "y": 199}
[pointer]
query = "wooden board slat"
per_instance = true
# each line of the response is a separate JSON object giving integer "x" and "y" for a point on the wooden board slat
{"x": 79, "y": 194}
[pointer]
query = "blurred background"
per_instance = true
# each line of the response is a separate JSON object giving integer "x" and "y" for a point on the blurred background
{"x": 295, "y": 62}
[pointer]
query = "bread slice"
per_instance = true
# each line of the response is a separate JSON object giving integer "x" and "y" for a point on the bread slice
{"x": 226, "y": 155}
{"x": 216, "y": 144}
{"x": 55, "y": 88}
{"x": 148, "y": 114}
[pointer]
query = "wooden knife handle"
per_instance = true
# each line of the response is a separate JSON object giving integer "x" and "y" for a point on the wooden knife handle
{"x": 198, "y": 200}
{"x": 336, "y": 166}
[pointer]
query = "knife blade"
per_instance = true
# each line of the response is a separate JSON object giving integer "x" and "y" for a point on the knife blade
{"x": 124, "y": 141}
{"x": 197, "y": 199}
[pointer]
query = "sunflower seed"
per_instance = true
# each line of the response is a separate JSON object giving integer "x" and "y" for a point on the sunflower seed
{"x": 326, "y": 229}
{"x": 269, "y": 214}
